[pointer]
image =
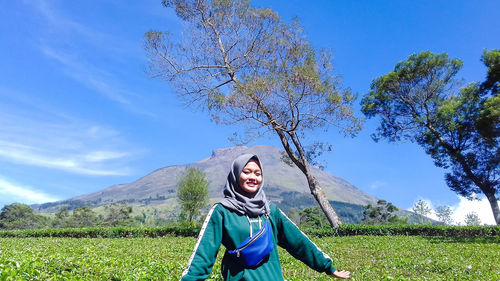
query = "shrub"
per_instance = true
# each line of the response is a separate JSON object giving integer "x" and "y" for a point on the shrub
{"x": 192, "y": 231}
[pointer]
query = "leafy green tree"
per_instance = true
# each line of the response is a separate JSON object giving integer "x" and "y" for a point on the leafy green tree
{"x": 20, "y": 216}
{"x": 84, "y": 217}
{"x": 142, "y": 218}
{"x": 62, "y": 218}
{"x": 312, "y": 217}
{"x": 63, "y": 213}
{"x": 421, "y": 210}
{"x": 381, "y": 213}
{"x": 444, "y": 214}
{"x": 472, "y": 219}
{"x": 118, "y": 214}
{"x": 459, "y": 129}
{"x": 246, "y": 66}
{"x": 492, "y": 60}
{"x": 193, "y": 192}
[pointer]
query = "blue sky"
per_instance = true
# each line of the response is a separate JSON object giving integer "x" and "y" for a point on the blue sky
{"x": 79, "y": 113}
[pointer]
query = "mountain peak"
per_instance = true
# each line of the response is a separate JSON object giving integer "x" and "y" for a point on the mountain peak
{"x": 221, "y": 152}
{"x": 161, "y": 184}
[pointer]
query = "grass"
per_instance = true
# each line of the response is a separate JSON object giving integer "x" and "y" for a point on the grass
{"x": 368, "y": 257}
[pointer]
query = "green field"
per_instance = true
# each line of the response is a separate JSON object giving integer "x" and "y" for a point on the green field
{"x": 369, "y": 257}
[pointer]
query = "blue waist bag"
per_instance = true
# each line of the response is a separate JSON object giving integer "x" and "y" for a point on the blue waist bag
{"x": 256, "y": 248}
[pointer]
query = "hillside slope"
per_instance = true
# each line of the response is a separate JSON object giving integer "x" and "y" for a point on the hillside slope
{"x": 160, "y": 186}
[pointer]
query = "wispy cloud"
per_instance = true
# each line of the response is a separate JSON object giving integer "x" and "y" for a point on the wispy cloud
{"x": 99, "y": 156}
{"x": 36, "y": 135}
{"x": 89, "y": 75}
{"x": 23, "y": 194}
{"x": 58, "y": 23}
{"x": 80, "y": 51}
{"x": 377, "y": 185}
{"x": 79, "y": 164}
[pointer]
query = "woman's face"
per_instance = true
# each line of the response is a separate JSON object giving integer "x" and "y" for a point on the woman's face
{"x": 251, "y": 177}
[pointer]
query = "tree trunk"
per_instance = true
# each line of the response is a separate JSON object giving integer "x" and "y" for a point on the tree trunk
{"x": 460, "y": 158}
{"x": 314, "y": 185}
{"x": 322, "y": 200}
{"x": 494, "y": 205}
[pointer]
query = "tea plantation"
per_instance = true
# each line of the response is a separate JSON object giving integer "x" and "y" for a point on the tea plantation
{"x": 164, "y": 258}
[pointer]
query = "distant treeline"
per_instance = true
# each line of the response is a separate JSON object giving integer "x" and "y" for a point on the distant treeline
{"x": 74, "y": 204}
{"x": 294, "y": 203}
{"x": 21, "y": 216}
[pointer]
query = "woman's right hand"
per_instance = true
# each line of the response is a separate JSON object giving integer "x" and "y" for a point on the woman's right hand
{"x": 344, "y": 274}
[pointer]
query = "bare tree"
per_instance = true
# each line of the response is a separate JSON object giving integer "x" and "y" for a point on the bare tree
{"x": 246, "y": 66}
{"x": 421, "y": 210}
{"x": 444, "y": 214}
{"x": 472, "y": 218}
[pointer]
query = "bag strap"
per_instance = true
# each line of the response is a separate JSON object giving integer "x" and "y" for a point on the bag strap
{"x": 260, "y": 224}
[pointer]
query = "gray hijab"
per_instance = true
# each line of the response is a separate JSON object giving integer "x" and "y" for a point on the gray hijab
{"x": 234, "y": 198}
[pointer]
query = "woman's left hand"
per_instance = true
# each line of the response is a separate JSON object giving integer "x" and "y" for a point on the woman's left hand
{"x": 344, "y": 274}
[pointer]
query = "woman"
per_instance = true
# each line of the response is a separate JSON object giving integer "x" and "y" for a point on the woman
{"x": 238, "y": 218}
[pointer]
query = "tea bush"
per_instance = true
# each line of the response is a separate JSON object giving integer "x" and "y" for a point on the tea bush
{"x": 164, "y": 258}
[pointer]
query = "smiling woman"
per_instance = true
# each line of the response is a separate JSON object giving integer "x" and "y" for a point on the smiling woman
{"x": 251, "y": 178}
{"x": 251, "y": 229}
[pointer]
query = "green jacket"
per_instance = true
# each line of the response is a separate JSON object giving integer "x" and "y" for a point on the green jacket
{"x": 225, "y": 227}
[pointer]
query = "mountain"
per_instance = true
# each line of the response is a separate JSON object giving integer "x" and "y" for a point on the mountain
{"x": 160, "y": 186}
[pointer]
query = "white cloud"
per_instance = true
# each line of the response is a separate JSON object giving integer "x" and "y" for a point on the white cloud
{"x": 69, "y": 42}
{"x": 32, "y": 133}
{"x": 99, "y": 156}
{"x": 26, "y": 155}
{"x": 481, "y": 207}
{"x": 23, "y": 194}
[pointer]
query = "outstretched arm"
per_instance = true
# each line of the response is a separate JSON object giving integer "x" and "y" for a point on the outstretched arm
{"x": 205, "y": 252}
{"x": 344, "y": 274}
{"x": 302, "y": 248}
